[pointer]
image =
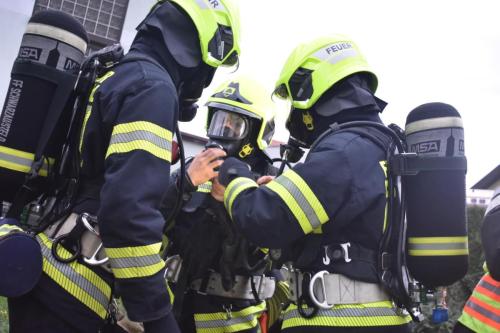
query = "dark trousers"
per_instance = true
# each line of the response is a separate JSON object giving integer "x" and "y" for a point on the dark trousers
{"x": 27, "y": 315}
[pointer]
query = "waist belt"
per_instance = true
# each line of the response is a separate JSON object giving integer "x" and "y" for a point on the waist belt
{"x": 84, "y": 231}
{"x": 242, "y": 289}
{"x": 327, "y": 289}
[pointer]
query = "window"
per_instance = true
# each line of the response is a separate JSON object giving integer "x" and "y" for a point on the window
{"x": 103, "y": 19}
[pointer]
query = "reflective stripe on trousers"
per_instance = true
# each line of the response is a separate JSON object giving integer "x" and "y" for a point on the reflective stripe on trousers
{"x": 482, "y": 311}
{"x": 348, "y": 315}
{"x": 76, "y": 279}
{"x": 221, "y": 322}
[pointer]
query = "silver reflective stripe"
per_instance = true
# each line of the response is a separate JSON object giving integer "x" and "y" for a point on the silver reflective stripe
{"x": 489, "y": 286}
{"x": 438, "y": 246}
{"x": 433, "y": 123}
{"x": 141, "y": 135}
{"x": 336, "y": 52}
{"x": 24, "y": 162}
{"x": 494, "y": 202}
{"x": 478, "y": 308}
{"x": 296, "y": 193}
{"x": 68, "y": 271}
{"x": 202, "y": 3}
{"x": 135, "y": 261}
{"x": 57, "y": 33}
{"x": 241, "y": 182}
{"x": 206, "y": 187}
{"x": 217, "y": 323}
{"x": 346, "y": 312}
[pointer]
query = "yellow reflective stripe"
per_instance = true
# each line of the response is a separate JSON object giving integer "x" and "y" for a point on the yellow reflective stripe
{"x": 78, "y": 280}
{"x": 348, "y": 315}
{"x": 245, "y": 319}
{"x": 300, "y": 199}
{"x": 205, "y": 188}
{"x": 134, "y": 262}
{"x": 234, "y": 188}
{"x": 104, "y": 77}
{"x": 88, "y": 112}
{"x": 8, "y": 228}
{"x": 18, "y": 160}
{"x": 383, "y": 165}
{"x": 308, "y": 194}
{"x": 438, "y": 246}
{"x": 141, "y": 135}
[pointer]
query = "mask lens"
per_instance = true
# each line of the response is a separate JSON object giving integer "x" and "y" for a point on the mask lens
{"x": 227, "y": 125}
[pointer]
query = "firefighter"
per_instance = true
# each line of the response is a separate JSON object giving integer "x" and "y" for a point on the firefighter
{"x": 327, "y": 215}
{"x": 481, "y": 313}
{"x": 125, "y": 150}
{"x": 219, "y": 267}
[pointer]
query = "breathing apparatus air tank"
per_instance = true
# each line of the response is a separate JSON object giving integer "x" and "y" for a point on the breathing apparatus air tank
{"x": 437, "y": 247}
{"x": 35, "y": 115}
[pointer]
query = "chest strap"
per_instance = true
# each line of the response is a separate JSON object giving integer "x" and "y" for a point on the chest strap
{"x": 263, "y": 287}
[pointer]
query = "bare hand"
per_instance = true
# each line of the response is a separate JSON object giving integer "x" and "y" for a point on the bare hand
{"x": 264, "y": 180}
{"x": 202, "y": 167}
{"x": 217, "y": 190}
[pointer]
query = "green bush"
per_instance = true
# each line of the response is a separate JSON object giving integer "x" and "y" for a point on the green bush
{"x": 4, "y": 323}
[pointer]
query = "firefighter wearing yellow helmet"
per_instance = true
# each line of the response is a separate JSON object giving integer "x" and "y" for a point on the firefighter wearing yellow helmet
{"x": 327, "y": 214}
{"x": 125, "y": 152}
{"x": 226, "y": 277}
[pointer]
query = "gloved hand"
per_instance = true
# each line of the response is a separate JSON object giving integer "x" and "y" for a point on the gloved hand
{"x": 233, "y": 168}
{"x": 166, "y": 324}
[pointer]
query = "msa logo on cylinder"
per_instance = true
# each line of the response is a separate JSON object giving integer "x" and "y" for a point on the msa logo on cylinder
{"x": 32, "y": 53}
{"x": 70, "y": 64}
{"x": 426, "y": 147}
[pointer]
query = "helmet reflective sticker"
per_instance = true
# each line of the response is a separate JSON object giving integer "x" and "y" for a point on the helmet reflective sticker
{"x": 227, "y": 125}
{"x": 336, "y": 52}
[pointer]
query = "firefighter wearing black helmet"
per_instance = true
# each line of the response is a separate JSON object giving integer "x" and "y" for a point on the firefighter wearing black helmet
{"x": 327, "y": 215}
{"x": 219, "y": 266}
{"x": 125, "y": 147}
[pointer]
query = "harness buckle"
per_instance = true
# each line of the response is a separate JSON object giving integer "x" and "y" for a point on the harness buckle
{"x": 173, "y": 266}
{"x": 320, "y": 276}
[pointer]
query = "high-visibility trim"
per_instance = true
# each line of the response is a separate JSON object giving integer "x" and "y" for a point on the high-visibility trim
{"x": 8, "y": 228}
{"x": 234, "y": 188}
{"x": 88, "y": 110}
{"x": 135, "y": 262}
{"x": 58, "y": 34}
{"x": 383, "y": 165}
{"x": 242, "y": 320}
{"x": 483, "y": 312}
{"x": 300, "y": 199}
{"x": 433, "y": 123}
{"x": 438, "y": 246}
{"x": 18, "y": 160}
{"x": 490, "y": 288}
{"x": 205, "y": 188}
{"x": 76, "y": 279}
{"x": 141, "y": 135}
{"x": 348, "y": 315}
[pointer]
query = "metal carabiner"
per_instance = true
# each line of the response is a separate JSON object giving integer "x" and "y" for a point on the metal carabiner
{"x": 319, "y": 276}
{"x": 92, "y": 260}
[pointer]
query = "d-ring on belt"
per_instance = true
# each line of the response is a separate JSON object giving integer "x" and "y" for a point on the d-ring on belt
{"x": 90, "y": 245}
{"x": 329, "y": 289}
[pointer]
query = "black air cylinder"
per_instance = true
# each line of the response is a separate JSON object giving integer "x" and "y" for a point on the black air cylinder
{"x": 436, "y": 207}
{"x": 35, "y": 116}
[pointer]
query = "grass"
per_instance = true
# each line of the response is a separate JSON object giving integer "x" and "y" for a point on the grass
{"x": 4, "y": 323}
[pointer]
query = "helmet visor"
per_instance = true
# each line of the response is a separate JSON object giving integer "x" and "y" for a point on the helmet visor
{"x": 221, "y": 46}
{"x": 227, "y": 125}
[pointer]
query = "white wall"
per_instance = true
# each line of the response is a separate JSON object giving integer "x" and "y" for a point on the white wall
{"x": 14, "y": 16}
{"x": 137, "y": 11}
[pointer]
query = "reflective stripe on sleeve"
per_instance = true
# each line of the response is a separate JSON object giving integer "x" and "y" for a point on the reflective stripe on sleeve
{"x": 438, "y": 246}
{"x": 135, "y": 262}
{"x": 8, "y": 228}
{"x": 352, "y": 315}
{"x": 242, "y": 320}
{"x": 21, "y": 161}
{"x": 234, "y": 188}
{"x": 300, "y": 199}
{"x": 78, "y": 280}
{"x": 141, "y": 135}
